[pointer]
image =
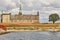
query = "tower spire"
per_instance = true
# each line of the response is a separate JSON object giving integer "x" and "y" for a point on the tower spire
{"x": 20, "y": 9}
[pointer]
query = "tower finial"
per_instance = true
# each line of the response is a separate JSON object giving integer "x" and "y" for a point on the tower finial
{"x": 20, "y": 9}
{"x": 37, "y": 12}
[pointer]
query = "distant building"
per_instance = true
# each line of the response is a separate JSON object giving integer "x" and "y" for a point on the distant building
{"x": 5, "y": 17}
{"x": 19, "y": 18}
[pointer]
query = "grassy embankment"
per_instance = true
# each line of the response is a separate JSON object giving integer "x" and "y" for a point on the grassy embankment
{"x": 17, "y": 26}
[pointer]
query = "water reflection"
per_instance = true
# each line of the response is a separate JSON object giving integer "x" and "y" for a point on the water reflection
{"x": 31, "y": 36}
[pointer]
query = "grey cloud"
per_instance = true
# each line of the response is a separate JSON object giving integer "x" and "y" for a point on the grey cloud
{"x": 6, "y": 5}
{"x": 36, "y": 5}
{"x": 40, "y": 5}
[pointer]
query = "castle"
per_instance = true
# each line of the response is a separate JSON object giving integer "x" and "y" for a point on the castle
{"x": 7, "y": 17}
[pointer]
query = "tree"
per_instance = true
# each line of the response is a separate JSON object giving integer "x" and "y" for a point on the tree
{"x": 54, "y": 17}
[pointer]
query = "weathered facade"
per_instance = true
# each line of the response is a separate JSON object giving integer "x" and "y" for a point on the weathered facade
{"x": 25, "y": 18}
{"x": 19, "y": 18}
{"x": 6, "y": 18}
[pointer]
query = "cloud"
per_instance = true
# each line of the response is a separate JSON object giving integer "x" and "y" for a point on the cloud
{"x": 14, "y": 11}
{"x": 46, "y": 7}
{"x": 30, "y": 4}
{"x": 6, "y": 5}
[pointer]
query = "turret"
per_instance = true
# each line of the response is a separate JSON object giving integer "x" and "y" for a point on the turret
{"x": 38, "y": 13}
{"x": 20, "y": 10}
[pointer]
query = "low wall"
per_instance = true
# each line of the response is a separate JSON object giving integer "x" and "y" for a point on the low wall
{"x": 31, "y": 27}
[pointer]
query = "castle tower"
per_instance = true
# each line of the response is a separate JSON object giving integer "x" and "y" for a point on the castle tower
{"x": 20, "y": 9}
{"x": 38, "y": 13}
{"x": 6, "y": 18}
{"x": 38, "y": 16}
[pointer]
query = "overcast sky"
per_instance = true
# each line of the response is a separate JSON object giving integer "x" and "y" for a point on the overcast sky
{"x": 46, "y": 7}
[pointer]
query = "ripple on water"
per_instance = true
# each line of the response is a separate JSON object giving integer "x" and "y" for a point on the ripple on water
{"x": 27, "y": 36}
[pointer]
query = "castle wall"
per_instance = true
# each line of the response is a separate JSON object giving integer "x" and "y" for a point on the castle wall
{"x": 6, "y": 18}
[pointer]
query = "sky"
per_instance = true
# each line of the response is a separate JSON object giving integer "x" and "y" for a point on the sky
{"x": 45, "y": 7}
